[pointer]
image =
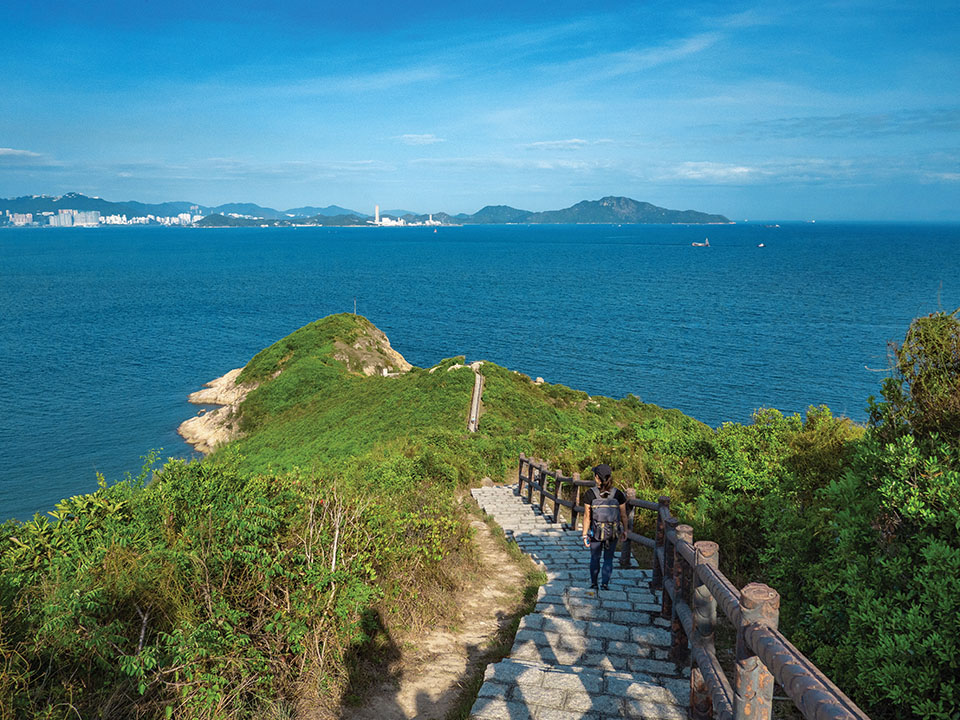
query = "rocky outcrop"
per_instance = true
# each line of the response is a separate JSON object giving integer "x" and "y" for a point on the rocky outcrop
{"x": 371, "y": 354}
{"x": 209, "y": 429}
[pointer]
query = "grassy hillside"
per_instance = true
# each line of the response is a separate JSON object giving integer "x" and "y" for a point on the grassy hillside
{"x": 231, "y": 587}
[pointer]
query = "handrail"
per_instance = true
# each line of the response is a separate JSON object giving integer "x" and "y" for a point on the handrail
{"x": 693, "y": 588}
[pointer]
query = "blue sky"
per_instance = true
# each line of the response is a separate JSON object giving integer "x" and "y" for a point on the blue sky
{"x": 828, "y": 110}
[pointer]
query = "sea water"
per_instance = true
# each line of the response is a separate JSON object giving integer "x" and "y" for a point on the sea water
{"x": 104, "y": 332}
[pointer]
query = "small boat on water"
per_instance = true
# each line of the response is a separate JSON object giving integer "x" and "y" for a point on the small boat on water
{"x": 761, "y": 245}
{"x": 705, "y": 243}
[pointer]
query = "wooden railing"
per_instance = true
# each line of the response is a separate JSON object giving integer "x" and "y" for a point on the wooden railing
{"x": 693, "y": 588}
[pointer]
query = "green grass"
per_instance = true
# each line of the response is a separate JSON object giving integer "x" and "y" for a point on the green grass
{"x": 232, "y": 561}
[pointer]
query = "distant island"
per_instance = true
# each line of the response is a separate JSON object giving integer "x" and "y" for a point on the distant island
{"x": 74, "y": 209}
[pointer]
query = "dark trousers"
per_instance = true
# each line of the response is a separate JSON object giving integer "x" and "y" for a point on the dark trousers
{"x": 607, "y": 550}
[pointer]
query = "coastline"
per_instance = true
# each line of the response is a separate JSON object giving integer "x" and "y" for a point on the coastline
{"x": 207, "y": 430}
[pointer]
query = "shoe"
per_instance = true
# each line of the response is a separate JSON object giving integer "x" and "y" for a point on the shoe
{"x": 604, "y": 587}
{"x": 593, "y": 586}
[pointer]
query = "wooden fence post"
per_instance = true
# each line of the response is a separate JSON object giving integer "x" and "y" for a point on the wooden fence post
{"x": 530, "y": 479}
{"x": 556, "y": 497}
{"x": 663, "y": 502}
{"x": 576, "y": 501}
{"x": 682, "y": 580}
{"x": 753, "y": 683}
{"x": 704, "y": 623}
{"x": 701, "y": 703}
{"x": 666, "y": 603}
{"x": 544, "y": 479}
{"x": 625, "y": 550}
{"x": 519, "y": 489}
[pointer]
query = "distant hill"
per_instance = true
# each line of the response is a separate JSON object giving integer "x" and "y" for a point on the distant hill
{"x": 76, "y": 201}
{"x": 251, "y": 209}
{"x": 329, "y": 211}
{"x": 622, "y": 210}
{"x": 607, "y": 210}
{"x": 499, "y": 215}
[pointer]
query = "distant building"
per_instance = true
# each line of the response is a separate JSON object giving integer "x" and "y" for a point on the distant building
{"x": 22, "y": 218}
{"x": 66, "y": 217}
{"x": 88, "y": 218}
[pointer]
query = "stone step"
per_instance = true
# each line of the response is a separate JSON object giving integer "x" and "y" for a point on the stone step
{"x": 519, "y": 690}
{"x": 582, "y": 653}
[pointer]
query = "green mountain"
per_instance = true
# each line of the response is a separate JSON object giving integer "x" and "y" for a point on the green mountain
{"x": 217, "y": 220}
{"x": 622, "y": 210}
{"x": 606, "y": 211}
{"x": 329, "y": 211}
{"x": 498, "y": 215}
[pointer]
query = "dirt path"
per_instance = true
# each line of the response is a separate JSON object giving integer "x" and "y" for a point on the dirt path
{"x": 436, "y": 665}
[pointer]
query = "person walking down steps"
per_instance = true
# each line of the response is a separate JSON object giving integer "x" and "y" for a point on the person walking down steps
{"x": 604, "y": 522}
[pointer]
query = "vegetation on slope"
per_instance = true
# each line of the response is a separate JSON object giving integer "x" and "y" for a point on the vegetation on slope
{"x": 225, "y": 587}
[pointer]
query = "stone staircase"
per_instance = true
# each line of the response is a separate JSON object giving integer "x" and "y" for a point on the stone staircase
{"x": 581, "y": 654}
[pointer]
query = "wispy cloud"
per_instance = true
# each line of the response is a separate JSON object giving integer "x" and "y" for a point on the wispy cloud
{"x": 610, "y": 65}
{"x": 233, "y": 169}
{"x": 422, "y": 139}
{"x": 379, "y": 81}
{"x": 18, "y": 154}
{"x": 15, "y": 158}
{"x": 713, "y": 172}
{"x": 858, "y": 170}
{"x": 571, "y": 144}
{"x": 513, "y": 163}
{"x": 746, "y": 19}
{"x": 896, "y": 122}
{"x": 944, "y": 176}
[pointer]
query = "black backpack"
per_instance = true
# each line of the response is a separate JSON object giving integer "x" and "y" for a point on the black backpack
{"x": 605, "y": 516}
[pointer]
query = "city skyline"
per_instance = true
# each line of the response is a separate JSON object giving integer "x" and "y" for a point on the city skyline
{"x": 833, "y": 110}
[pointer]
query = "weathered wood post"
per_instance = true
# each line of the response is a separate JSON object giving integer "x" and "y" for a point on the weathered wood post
{"x": 530, "y": 479}
{"x": 663, "y": 504}
{"x": 753, "y": 683}
{"x": 625, "y": 549}
{"x": 666, "y": 603}
{"x": 544, "y": 479}
{"x": 704, "y": 624}
{"x": 682, "y": 581}
{"x": 576, "y": 501}
{"x": 556, "y": 496}
{"x": 701, "y": 703}
{"x": 523, "y": 459}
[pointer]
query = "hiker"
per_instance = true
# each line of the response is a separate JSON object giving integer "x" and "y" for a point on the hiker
{"x": 604, "y": 522}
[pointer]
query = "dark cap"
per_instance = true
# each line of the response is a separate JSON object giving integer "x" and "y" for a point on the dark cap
{"x": 604, "y": 471}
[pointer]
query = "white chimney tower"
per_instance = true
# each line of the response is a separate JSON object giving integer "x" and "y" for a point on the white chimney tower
{"x": 376, "y": 214}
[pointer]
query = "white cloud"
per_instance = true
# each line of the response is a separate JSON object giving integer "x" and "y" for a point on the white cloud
{"x": 18, "y": 154}
{"x": 14, "y": 159}
{"x": 571, "y": 144}
{"x": 422, "y": 139}
{"x": 606, "y": 66}
{"x": 512, "y": 163}
{"x": 712, "y": 172}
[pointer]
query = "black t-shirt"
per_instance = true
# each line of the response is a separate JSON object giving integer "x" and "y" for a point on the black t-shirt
{"x": 593, "y": 493}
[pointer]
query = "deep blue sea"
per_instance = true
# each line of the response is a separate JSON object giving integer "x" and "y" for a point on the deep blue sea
{"x": 104, "y": 332}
